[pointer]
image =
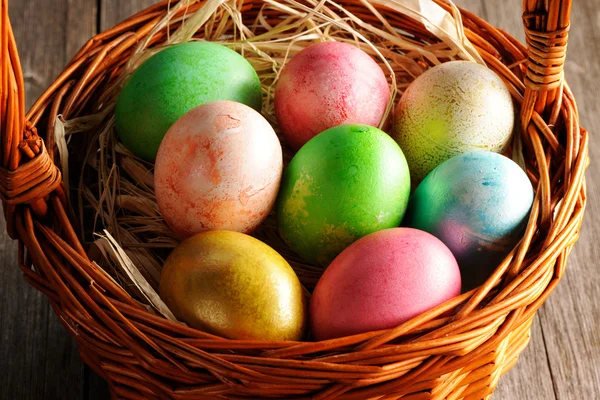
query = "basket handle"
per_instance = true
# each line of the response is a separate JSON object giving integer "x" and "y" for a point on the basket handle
{"x": 546, "y": 32}
{"x": 12, "y": 92}
{"x": 27, "y": 173}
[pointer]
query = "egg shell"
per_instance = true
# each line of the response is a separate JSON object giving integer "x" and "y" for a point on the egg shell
{"x": 381, "y": 281}
{"x": 174, "y": 81}
{"x": 476, "y": 203}
{"x": 218, "y": 167}
{"x": 454, "y": 108}
{"x": 343, "y": 184}
{"x": 326, "y": 85}
{"x": 235, "y": 286}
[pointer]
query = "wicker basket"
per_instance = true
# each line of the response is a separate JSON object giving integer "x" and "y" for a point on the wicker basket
{"x": 456, "y": 351}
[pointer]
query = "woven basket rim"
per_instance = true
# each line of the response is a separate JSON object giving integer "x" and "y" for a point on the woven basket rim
{"x": 462, "y": 353}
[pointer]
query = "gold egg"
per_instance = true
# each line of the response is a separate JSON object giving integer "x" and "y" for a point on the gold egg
{"x": 233, "y": 285}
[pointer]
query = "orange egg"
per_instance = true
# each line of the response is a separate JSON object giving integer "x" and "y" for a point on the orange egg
{"x": 218, "y": 167}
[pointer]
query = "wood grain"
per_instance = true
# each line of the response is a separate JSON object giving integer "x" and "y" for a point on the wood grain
{"x": 39, "y": 360}
{"x": 114, "y": 11}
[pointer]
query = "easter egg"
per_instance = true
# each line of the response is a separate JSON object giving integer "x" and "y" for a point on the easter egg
{"x": 326, "y": 85}
{"x": 174, "y": 81}
{"x": 218, "y": 167}
{"x": 381, "y": 281}
{"x": 343, "y": 184}
{"x": 477, "y": 204}
{"x": 233, "y": 285}
{"x": 454, "y": 108}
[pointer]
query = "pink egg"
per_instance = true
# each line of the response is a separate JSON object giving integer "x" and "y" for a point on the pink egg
{"x": 326, "y": 85}
{"x": 218, "y": 167}
{"x": 381, "y": 281}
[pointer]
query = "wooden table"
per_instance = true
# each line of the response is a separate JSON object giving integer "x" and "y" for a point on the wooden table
{"x": 39, "y": 360}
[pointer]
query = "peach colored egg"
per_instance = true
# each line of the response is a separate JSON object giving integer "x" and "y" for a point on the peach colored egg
{"x": 326, "y": 85}
{"x": 218, "y": 167}
{"x": 381, "y": 281}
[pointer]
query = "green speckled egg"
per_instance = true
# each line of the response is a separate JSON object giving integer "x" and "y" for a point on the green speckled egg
{"x": 174, "y": 81}
{"x": 346, "y": 182}
{"x": 454, "y": 108}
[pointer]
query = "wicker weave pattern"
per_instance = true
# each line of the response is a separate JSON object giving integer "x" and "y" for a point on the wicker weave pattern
{"x": 465, "y": 345}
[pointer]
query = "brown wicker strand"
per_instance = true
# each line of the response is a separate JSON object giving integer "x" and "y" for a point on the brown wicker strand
{"x": 36, "y": 178}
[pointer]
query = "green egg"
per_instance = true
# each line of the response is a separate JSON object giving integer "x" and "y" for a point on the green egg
{"x": 346, "y": 182}
{"x": 174, "y": 81}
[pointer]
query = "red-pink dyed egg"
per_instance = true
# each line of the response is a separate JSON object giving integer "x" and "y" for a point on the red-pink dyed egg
{"x": 326, "y": 85}
{"x": 381, "y": 281}
{"x": 218, "y": 167}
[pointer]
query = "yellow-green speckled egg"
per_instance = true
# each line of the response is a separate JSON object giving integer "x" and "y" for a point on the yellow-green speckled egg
{"x": 454, "y": 108}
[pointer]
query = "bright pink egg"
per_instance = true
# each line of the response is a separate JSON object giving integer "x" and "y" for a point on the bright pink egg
{"x": 326, "y": 85}
{"x": 381, "y": 281}
{"x": 218, "y": 167}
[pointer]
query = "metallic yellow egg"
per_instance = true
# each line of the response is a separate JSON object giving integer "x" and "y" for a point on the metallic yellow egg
{"x": 233, "y": 285}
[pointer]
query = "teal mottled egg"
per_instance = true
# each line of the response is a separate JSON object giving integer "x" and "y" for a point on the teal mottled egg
{"x": 174, "y": 81}
{"x": 477, "y": 204}
{"x": 346, "y": 182}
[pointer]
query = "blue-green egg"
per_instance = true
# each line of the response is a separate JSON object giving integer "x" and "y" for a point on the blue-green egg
{"x": 478, "y": 205}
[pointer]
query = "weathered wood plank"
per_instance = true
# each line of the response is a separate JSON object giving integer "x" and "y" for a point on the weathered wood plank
{"x": 95, "y": 388}
{"x": 475, "y": 6}
{"x": 23, "y": 317}
{"x": 39, "y": 360}
{"x": 114, "y": 11}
